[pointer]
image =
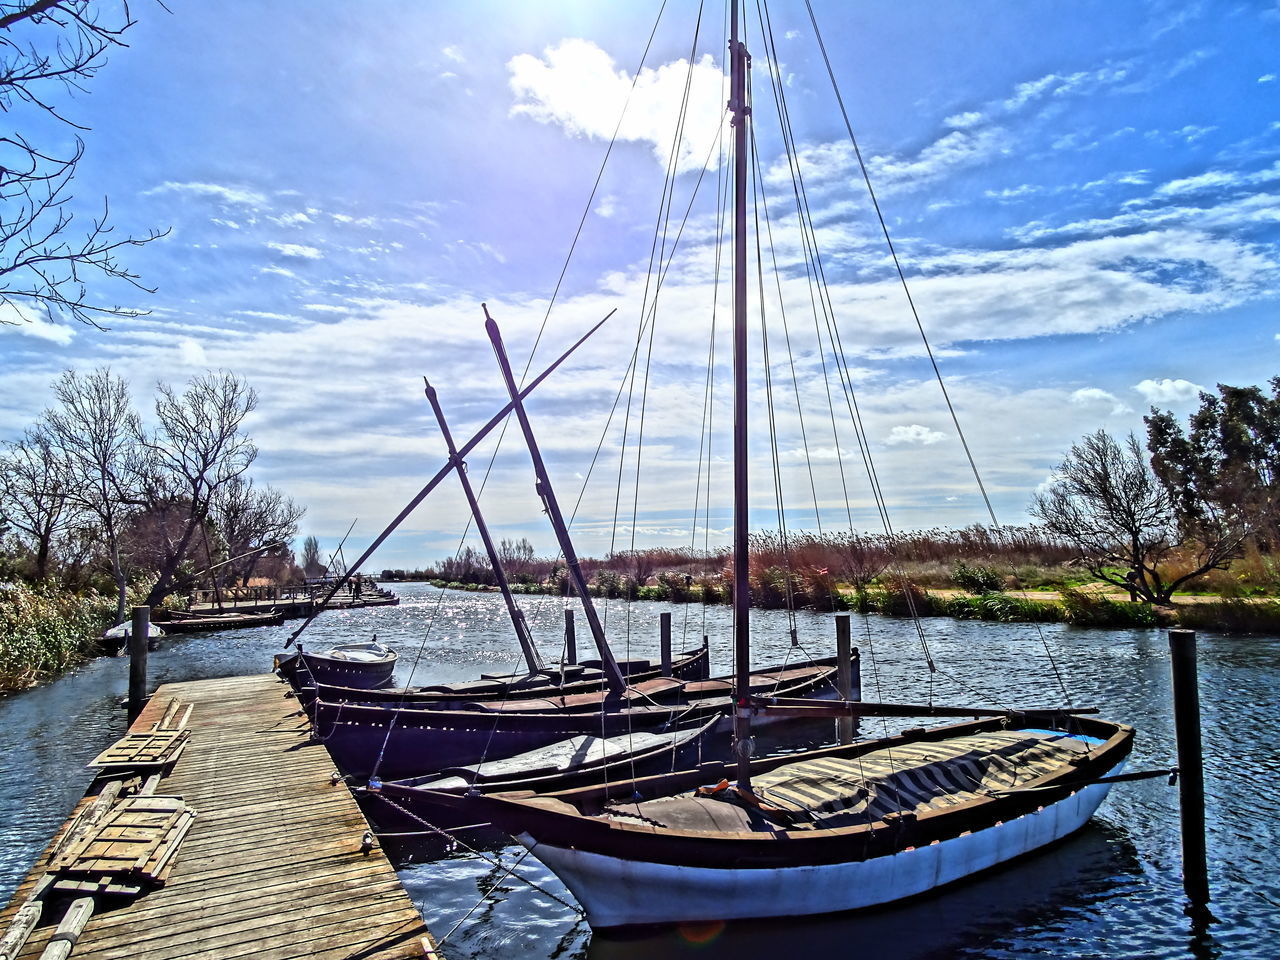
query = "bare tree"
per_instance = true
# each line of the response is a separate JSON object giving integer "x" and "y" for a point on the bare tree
{"x": 1108, "y": 502}
{"x": 249, "y": 517}
{"x": 50, "y": 49}
{"x": 35, "y": 490}
{"x": 198, "y": 449}
{"x": 95, "y": 430}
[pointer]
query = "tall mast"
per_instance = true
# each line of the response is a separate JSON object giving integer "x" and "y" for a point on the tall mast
{"x": 611, "y": 670}
{"x": 741, "y": 111}
{"x": 531, "y": 657}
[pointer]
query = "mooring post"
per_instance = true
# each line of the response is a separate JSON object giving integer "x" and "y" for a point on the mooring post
{"x": 844, "y": 675}
{"x": 664, "y": 641}
{"x": 1186, "y": 719}
{"x": 570, "y": 639}
{"x": 139, "y": 633}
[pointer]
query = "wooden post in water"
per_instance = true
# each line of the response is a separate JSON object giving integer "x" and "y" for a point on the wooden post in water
{"x": 570, "y": 638}
{"x": 844, "y": 675}
{"x": 1186, "y": 718}
{"x": 664, "y": 641}
{"x": 139, "y": 634}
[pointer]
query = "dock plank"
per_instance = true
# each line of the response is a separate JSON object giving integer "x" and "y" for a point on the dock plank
{"x": 272, "y": 866}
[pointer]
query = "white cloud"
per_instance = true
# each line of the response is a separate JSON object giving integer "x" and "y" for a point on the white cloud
{"x": 836, "y": 162}
{"x": 192, "y": 353}
{"x": 296, "y": 219}
{"x": 242, "y": 196}
{"x": 279, "y": 271}
{"x": 36, "y": 325}
{"x": 967, "y": 119}
{"x": 913, "y": 435}
{"x": 453, "y": 53}
{"x": 1267, "y": 78}
{"x": 607, "y": 206}
{"x": 1059, "y": 85}
{"x": 1096, "y": 396}
{"x": 577, "y": 86}
{"x": 1168, "y": 391}
{"x": 296, "y": 250}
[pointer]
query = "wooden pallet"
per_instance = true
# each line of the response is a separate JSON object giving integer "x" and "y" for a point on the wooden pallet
{"x": 133, "y": 847}
{"x": 135, "y": 751}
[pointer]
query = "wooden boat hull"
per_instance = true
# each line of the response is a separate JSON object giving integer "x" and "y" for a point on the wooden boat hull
{"x": 223, "y": 622}
{"x": 616, "y": 893}
{"x": 367, "y": 673}
{"x": 569, "y": 679}
{"x": 400, "y": 743}
{"x": 627, "y": 874}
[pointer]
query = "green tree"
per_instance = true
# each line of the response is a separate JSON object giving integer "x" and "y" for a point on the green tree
{"x": 1222, "y": 472}
{"x": 312, "y": 565}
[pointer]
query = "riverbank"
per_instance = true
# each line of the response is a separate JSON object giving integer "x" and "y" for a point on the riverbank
{"x": 1089, "y": 605}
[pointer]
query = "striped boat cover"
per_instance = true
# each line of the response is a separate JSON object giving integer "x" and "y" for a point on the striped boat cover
{"x": 836, "y": 791}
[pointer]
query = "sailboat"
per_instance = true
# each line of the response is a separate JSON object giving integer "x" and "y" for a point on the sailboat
{"x": 834, "y": 829}
{"x": 383, "y": 735}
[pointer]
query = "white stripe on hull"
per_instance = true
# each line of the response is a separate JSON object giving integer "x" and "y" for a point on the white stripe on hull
{"x": 618, "y": 892}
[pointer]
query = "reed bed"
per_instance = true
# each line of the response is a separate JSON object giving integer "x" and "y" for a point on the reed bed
{"x": 44, "y": 631}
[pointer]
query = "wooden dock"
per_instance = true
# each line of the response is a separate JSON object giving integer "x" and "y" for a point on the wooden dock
{"x": 275, "y": 864}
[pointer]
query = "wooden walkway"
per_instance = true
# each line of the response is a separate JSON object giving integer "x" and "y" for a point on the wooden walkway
{"x": 273, "y": 866}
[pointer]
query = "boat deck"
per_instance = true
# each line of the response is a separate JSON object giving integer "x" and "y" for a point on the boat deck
{"x": 273, "y": 866}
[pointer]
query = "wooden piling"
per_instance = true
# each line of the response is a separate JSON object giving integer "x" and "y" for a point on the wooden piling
{"x": 1186, "y": 717}
{"x": 139, "y": 635}
{"x": 570, "y": 638}
{"x": 664, "y": 641}
{"x": 844, "y": 675}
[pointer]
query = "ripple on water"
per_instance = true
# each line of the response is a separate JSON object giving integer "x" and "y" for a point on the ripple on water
{"x": 1113, "y": 890}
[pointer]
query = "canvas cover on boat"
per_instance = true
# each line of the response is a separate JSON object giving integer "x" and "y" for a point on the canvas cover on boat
{"x": 913, "y": 777}
{"x": 831, "y": 792}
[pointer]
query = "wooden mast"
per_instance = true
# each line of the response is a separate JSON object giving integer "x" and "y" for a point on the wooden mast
{"x": 617, "y": 684}
{"x": 531, "y": 657}
{"x": 738, "y": 62}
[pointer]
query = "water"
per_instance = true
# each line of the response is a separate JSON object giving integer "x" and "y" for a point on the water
{"x": 1113, "y": 890}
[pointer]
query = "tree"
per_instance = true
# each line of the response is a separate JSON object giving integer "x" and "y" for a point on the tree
{"x": 95, "y": 430}
{"x": 197, "y": 449}
{"x": 248, "y": 517}
{"x": 1223, "y": 473}
{"x": 1108, "y": 502}
{"x": 312, "y": 565}
{"x": 35, "y": 489}
{"x": 48, "y": 49}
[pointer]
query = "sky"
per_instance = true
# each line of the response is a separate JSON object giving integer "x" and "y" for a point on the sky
{"x": 1085, "y": 199}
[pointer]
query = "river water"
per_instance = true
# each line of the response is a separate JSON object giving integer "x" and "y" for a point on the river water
{"x": 1113, "y": 890}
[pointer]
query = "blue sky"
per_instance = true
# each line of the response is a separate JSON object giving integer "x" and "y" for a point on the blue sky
{"x": 1085, "y": 198}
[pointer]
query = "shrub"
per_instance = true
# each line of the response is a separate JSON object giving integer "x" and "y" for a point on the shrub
{"x": 1093, "y": 610}
{"x": 977, "y": 579}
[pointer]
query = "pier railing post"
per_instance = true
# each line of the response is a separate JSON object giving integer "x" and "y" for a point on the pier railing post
{"x": 1186, "y": 718}
{"x": 844, "y": 674}
{"x": 139, "y": 634}
{"x": 664, "y": 641}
